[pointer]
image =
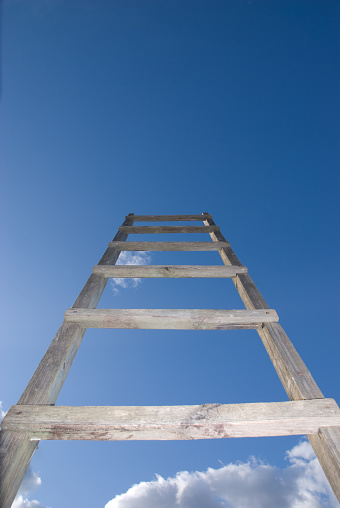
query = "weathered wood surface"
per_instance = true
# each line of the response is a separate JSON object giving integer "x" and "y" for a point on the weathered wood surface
{"x": 168, "y": 271}
{"x": 170, "y": 319}
{"x": 326, "y": 445}
{"x": 208, "y": 421}
{"x": 293, "y": 373}
{"x": 167, "y": 218}
{"x": 16, "y": 450}
{"x": 168, "y": 246}
{"x": 167, "y": 229}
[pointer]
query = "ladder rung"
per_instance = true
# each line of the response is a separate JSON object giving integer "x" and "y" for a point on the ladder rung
{"x": 167, "y": 229}
{"x": 207, "y": 421}
{"x": 169, "y": 246}
{"x": 168, "y": 271}
{"x": 166, "y": 218}
{"x": 171, "y": 319}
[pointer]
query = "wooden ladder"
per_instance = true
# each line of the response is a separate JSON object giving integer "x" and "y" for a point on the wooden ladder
{"x": 35, "y": 417}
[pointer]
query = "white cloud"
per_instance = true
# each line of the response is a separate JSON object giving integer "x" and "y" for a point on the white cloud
{"x": 30, "y": 483}
{"x": 254, "y": 484}
{"x": 129, "y": 258}
{"x": 21, "y": 502}
{"x": 24, "y": 502}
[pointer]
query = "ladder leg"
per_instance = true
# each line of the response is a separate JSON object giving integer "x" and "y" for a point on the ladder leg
{"x": 16, "y": 450}
{"x": 326, "y": 446}
{"x": 293, "y": 373}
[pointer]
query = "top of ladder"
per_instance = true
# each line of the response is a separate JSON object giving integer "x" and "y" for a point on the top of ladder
{"x": 160, "y": 218}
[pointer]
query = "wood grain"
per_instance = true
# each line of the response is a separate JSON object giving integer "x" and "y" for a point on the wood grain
{"x": 167, "y": 218}
{"x": 168, "y": 271}
{"x": 168, "y": 246}
{"x": 170, "y": 319}
{"x": 167, "y": 229}
{"x": 326, "y": 445}
{"x": 207, "y": 421}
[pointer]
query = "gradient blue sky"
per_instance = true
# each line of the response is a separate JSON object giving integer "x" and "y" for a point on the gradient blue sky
{"x": 111, "y": 107}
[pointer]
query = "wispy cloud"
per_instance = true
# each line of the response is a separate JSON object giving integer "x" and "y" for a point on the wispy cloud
{"x": 129, "y": 258}
{"x": 254, "y": 484}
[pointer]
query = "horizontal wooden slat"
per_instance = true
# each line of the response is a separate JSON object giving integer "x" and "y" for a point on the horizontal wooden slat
{"x": 208, "y": 421}
{"x": 170, "y": 319}
{"x": 168, "y": 271}
{"x": 168, "y": 246}
{"x": 167, "y": 229}
{"x": 167, "y": 218}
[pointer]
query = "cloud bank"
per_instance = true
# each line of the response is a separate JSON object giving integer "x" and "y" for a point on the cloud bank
{"x": 129, "y": 258}
{"x": 254, "y": 484}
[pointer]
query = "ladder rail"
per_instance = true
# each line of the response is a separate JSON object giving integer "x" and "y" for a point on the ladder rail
{"x": 292, "y": 371}
{"x": 16, "y": 450}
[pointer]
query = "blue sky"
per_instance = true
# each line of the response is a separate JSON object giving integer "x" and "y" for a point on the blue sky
{"x": 112, "y": 107}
